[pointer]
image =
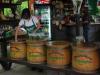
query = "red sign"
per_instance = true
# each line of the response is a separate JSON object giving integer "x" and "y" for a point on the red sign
{"x": 98, "y": 3}
{"x": 42, "y": 1}
{"x": 31, "y": 2}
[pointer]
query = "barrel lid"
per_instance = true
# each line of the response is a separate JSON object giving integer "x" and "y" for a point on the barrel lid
{"x": 35, "y": 42}
{"x": 12, "y": 41}
{"x": 87, "y": 46}
{"x": 57, "y": 44}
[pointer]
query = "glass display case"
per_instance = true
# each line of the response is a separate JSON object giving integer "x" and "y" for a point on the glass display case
{"x": 43, "y": 12}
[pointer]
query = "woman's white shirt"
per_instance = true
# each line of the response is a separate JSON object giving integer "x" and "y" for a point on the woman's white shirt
{"x": 28, "y": 22}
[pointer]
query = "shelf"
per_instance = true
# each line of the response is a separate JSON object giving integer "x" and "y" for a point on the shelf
{"x": 39, "y": 5}
{"x": 7, "y": 5}
{"x": 95, "y": 23}
{"x": 11, "y": 38}
{"x": 81, "y": 24}
{"x": 23, "y": 62}
{"x": 68, "y": 4}
{"x": 13, "y": 22}
{"x": 45, "y": 67}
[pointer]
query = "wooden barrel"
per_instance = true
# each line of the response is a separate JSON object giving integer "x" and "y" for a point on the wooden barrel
{"x": 17, "y": 50}
{"x": 85, "y": 58}
{"x": 35, "y": 52}
{"x": 58, "y": 54}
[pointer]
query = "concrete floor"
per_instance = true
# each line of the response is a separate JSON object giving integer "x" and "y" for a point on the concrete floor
{"x": 17, "y": 69}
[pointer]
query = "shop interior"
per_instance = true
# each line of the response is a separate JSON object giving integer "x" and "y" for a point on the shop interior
{"x": 67, "y": 44}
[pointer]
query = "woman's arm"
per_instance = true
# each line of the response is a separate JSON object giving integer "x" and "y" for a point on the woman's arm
{"x": 37, "y": 24}
{"x": 19, "y": 31}
{"x": 16, "y": 33}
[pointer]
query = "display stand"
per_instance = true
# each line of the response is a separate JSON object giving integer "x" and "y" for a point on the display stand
{"x": 7, "y": 62}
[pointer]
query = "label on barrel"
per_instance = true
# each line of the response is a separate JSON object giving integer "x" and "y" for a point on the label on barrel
{"x": 56, "y": 55}
{"x": 55, "y": 58}
{"x": 35, "y": 57}
{"x": 82, "y": 59}
{"x": 84, "y": 49}
{"x": 35, "y": 54}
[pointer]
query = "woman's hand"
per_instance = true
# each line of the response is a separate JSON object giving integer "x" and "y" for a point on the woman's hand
{"x": 20, "y": 31}
{"x": 39, "y": 26}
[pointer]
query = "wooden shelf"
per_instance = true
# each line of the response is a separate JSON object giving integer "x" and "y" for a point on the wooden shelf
{"x": 8, "y": 5}
{"x": 95, "y": 23}
{"x": 13, "y": 22}
{"x": 67, "y": 70}
{"x": 39, "y": 5}
{"x": 9, "y": 21}
{"x": 24, "y": 62}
